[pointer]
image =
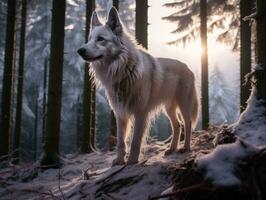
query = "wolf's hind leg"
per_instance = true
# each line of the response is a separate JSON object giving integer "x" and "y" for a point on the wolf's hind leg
{"x": 139, "y": 130}
{"x": 172, "y": 115}
{"x": 187, "y": 123}
{"x": 122, "y": 126}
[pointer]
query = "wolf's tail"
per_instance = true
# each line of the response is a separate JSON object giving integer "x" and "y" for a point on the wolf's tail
{"x": 195, "y": 107}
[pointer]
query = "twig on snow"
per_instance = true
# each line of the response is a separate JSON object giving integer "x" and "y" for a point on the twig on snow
{"x": 179, "y": 191}
{"x": 50, "y": 193}
{"x": 59, "y": 184}
{"x": 111, "y": 175}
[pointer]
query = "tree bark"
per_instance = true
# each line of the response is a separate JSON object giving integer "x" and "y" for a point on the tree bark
{"x": 52, "y": 131}
{"x": 116, "y": 4}
{"x": 87, "y": 94}
{"x": 36, "y": 121}
{"x": 142, "y": 22}
{"x": 245, "y": 51}
{"x": 261, "y": 49}
{"x": 204, "y": 65}
{"x": 8, "y": 77}
{"x": 113, "y": 119}
{"x": 44, "y": 98}
{"x": 93, "y": 117}
{"x": 17, "y": 132}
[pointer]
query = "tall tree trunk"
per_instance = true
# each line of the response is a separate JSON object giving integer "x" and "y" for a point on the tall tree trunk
{"x": 86, "y": 121}
{"x": 52, "y": 132}
{"x": 116, "y": 4}
{"x": 35, "y": 134}
{"x": 8, "y": 79}
{"x": 245, "y": 51}
{"x": 44, "y": 98}
{"x": 17, "y": 132}
{"x": 78, "y": 122}
{"x": 261, "y": 49}
{"x": 113, "y": 119}
{"x": 142, "y": 22}
{"x": 204, "y": 64}
{"x": 93, "y": 117}
{"x": 255, "y": 114}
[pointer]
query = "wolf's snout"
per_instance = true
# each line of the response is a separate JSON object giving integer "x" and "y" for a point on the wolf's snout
{"x": 82, "y": 51}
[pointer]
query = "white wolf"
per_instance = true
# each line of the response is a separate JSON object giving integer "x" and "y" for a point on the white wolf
{"x": 137, "y": 85}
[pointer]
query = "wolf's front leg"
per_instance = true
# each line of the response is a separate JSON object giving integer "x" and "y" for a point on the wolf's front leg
{"x": 122, "y": 124}
{"x": 139, "y": 129}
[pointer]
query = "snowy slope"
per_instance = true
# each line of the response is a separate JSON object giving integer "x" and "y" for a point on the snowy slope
{"x": 92, "y": 177}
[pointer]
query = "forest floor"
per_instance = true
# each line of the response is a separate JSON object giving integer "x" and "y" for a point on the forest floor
{"x": 91, "y": 176}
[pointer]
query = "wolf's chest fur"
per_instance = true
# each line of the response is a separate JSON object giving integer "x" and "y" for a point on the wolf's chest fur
{"x": 123, "y": 87}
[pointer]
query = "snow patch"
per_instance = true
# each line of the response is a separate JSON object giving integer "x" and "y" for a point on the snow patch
{"x": 251, "y": 126}
{"x": 220, "y": 165}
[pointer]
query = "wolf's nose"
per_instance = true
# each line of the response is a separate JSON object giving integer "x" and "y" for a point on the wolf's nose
{"x": 82, "y": 51}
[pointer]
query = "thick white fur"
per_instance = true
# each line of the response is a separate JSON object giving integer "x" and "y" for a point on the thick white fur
{"x": 137, "y": 85}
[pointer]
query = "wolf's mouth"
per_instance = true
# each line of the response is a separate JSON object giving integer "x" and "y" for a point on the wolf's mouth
{"x": 88, "y": 59}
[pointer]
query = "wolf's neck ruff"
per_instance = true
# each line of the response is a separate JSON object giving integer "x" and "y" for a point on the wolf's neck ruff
{"x": 121, "y": 87}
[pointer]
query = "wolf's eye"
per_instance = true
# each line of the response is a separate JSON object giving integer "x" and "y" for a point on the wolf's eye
{"x": 100, "y": 38}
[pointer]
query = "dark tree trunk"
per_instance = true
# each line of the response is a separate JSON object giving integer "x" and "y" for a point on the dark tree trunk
{"x": 255, "y": 115}
{"x": 44, "y": 98}
{"x": 93, "y": 117}
{"x": 17, "y": 132}
{"x": 52, "y": 132}
{"x": 35, "y": 134}
{"x": 261, "y": 49}
{"x": 204, "y": 64}
{"x": 142, "y": 22}
{"x": 86, "y": 121}
{"x": 78, "y": 123}
{"x": 116, "y": 4}
{"x": 245, "y": 51}
{"x": 8, "y": 79}
{"x": 113, "y": 119}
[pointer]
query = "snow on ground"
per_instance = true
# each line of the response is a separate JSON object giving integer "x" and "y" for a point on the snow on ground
{"x": 91, "y": 176}
{"x": 251, "y": 126}
{"x": 221, "y": 164}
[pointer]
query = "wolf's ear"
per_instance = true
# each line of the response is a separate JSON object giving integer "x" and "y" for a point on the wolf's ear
{"x": 114, "y": 21}
{"x": 95, "y": 20}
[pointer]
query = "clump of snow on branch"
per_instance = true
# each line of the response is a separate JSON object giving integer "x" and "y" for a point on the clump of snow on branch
{"x": 220, "y": 165}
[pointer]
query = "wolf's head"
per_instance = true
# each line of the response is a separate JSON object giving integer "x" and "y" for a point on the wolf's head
{"x": 103, "y": 42}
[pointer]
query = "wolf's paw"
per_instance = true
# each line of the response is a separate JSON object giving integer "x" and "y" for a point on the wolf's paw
{"x": 169, "y": 151}
{"x": 183, "y": 150}
{"x": 118, "y": 161}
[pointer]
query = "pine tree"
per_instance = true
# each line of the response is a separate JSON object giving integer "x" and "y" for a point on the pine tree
{"x": 51, "y": 144}
{"x": 93, "y": 117}
{"x": 87, "y": 93}
{"x": 260, "y": 76}
{"x": 116, "y": 4}
{"x": 252, "y": 120}
{"x": 8, "y": 77}
{"x": 224, "y": 107}
{"x": 245, "y": 51}
{"x": 17, "y": 132}
{"x": 142, "y": 22}
{"x": 37, "y": 53}
{"x": 222, "y": 14}
{"x": 113, "y": 119}
{"x": 44, "y": 98}
{"x": 36, "y": 121}
{"x": 3, "y": 12}
{"x": 204, "y": 65}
